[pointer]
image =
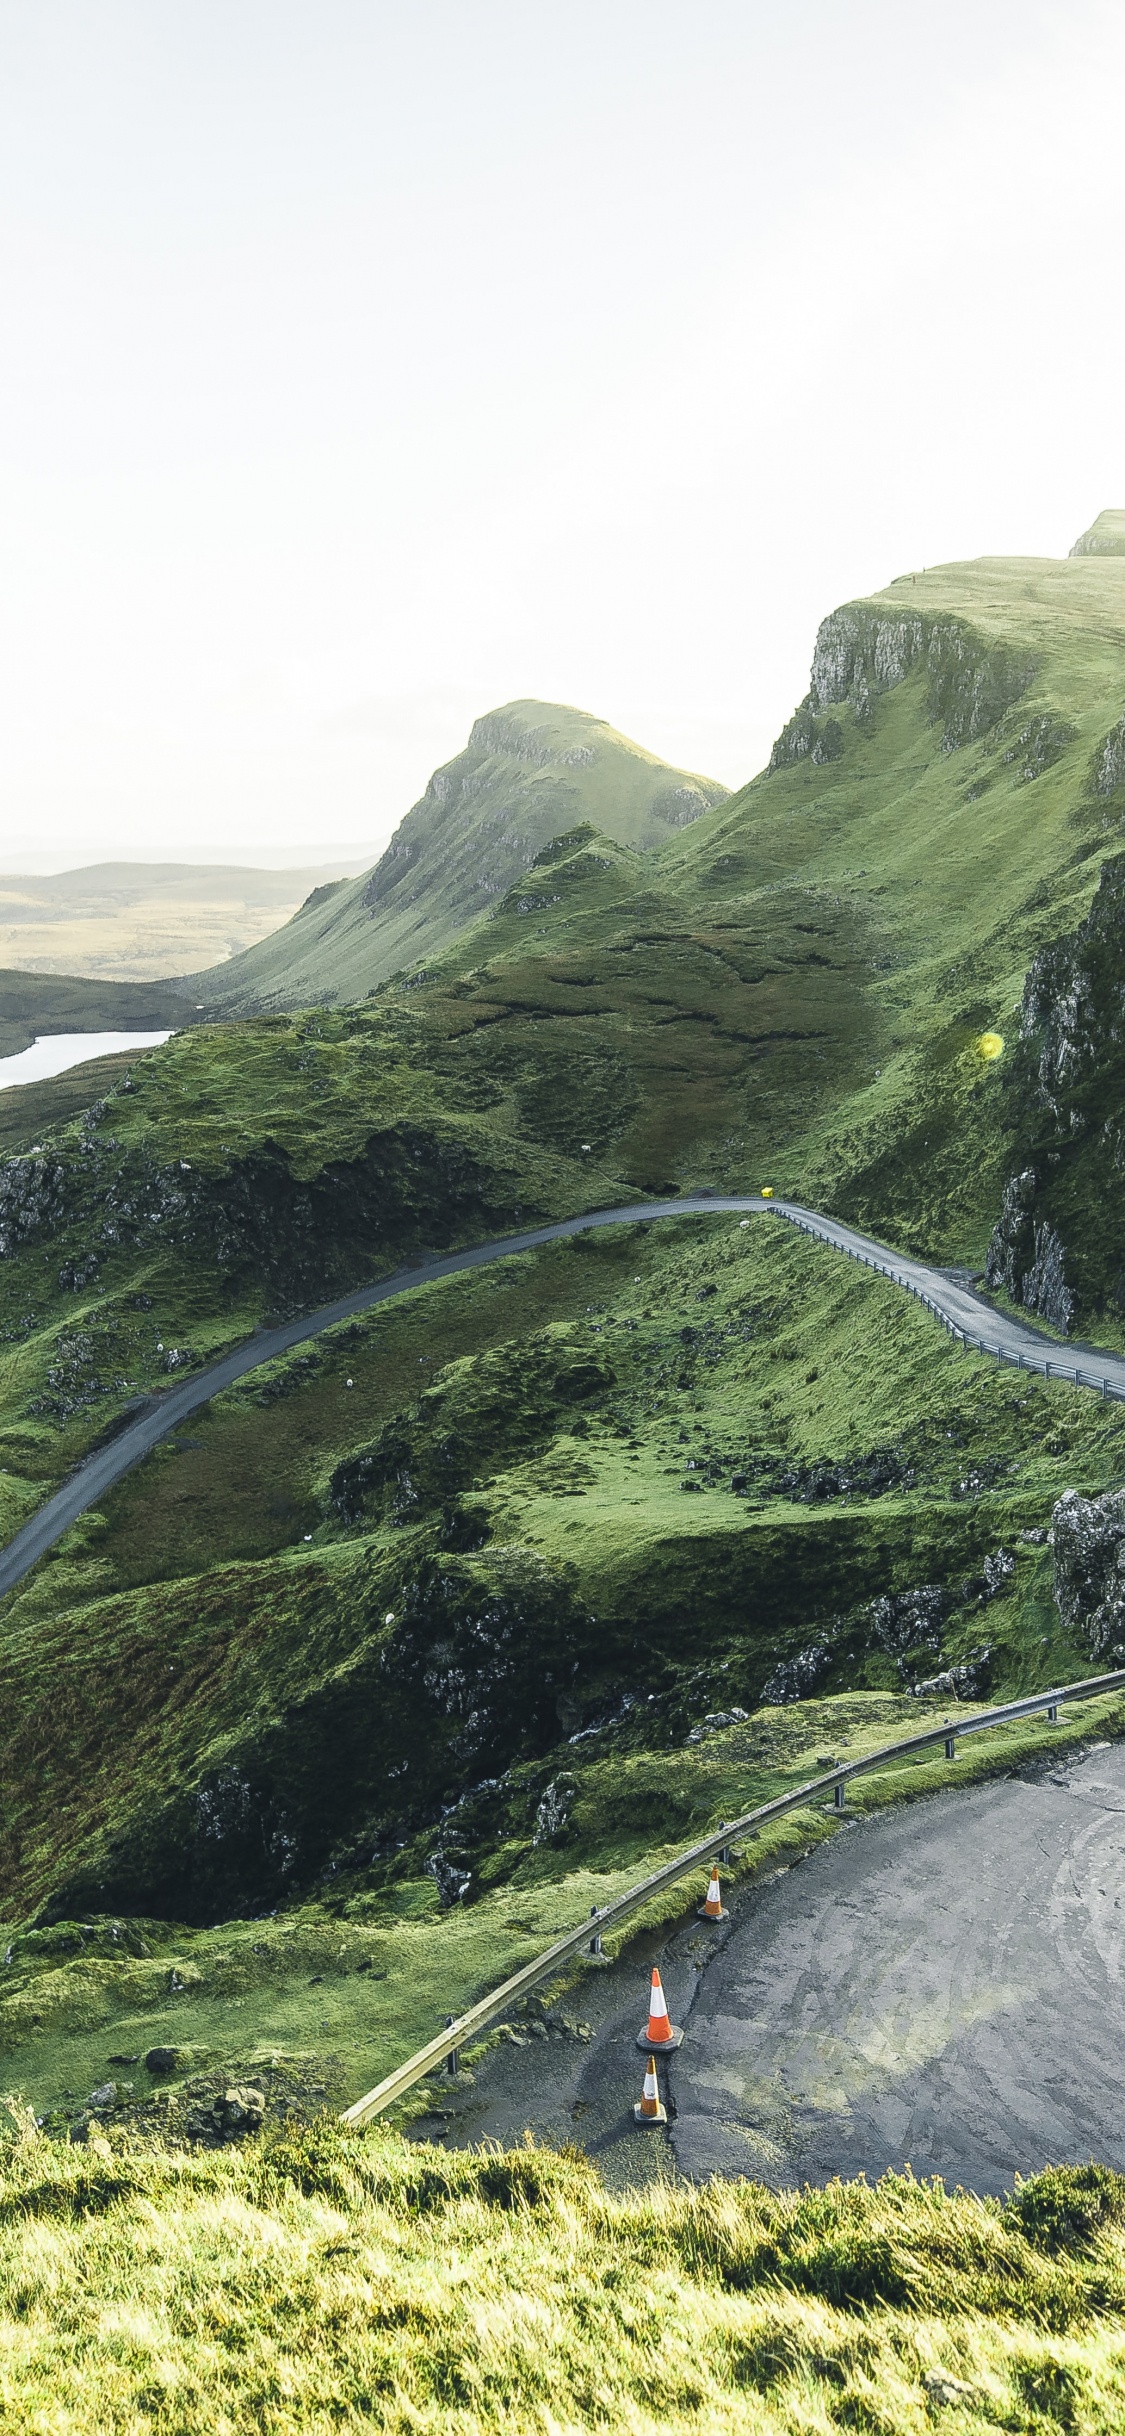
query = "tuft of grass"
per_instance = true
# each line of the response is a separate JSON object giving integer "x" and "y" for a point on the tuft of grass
{"x": 328, "y": 2281}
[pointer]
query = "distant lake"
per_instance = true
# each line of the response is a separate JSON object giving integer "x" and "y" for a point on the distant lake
{"x": 56, "y": 1051}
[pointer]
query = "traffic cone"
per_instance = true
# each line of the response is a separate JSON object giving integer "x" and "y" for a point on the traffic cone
{"x": 712, "y": 1907}
{"x": 660, "y": 2035}
{"x": 650, "y": 2109}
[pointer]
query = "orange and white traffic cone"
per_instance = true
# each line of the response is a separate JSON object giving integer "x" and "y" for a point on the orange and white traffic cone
{"x": 661, "y": 2034}
{"x": 712, "y": 1907}
{"x": 650, "y": 2109}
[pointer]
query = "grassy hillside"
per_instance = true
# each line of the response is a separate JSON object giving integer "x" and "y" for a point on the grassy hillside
{"x": 528, "y": 771}
{"x": 141, "y": 921}
{"x": 327, "y": 1651}
{"x": 332, "y": 2282}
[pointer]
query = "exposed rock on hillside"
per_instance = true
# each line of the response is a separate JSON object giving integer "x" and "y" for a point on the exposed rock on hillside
{"x": 410, "y": 1183}
{"x": 1059, "y": 1243}
{"x": 1107, "y": 769}
{"x": 862, "y": 651}
{"x": 1026, "y": 1256}
{"x": 1089, "y": 1541}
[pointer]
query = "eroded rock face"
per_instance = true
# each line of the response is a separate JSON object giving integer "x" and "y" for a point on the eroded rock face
{"x": 32, "y": 1199}
{"x": 1059, "y": 1243}
{"x": 910, "y": 1619}
{"x": 301, "y": 1234}
{"x": 862, "y": 651}
{"x": 1089, "y": 1543}
{"x": 795, "y": 1678}
{"x": 1026, "y": 1255}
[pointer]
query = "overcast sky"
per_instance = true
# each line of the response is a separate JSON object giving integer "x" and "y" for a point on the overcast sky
{"x": 369, "y": 365}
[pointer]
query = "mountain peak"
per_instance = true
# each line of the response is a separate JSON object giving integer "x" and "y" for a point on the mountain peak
{"x": 1105, "y": 537}
{"x": 530, "y": 772}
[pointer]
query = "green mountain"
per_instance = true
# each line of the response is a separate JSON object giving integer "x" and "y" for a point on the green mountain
{"x": 325, "y": 1656}
{"x": 527, "y": 772}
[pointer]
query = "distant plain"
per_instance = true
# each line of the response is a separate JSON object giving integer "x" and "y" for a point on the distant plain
{"x": 147, "y": 921}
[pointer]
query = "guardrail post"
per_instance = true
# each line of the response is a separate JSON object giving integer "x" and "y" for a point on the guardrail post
{"x": 453, "y": 2059}
{"x": 595, "y": 1946}
{"x": 951, "y": 1746}
{"x": 1052, "y": 1712}
{"x": 840, "y": 1792}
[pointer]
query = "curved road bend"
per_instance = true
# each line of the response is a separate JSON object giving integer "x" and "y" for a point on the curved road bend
{"x": 941, "y": 1986}
{"x": 955, "y": 1301}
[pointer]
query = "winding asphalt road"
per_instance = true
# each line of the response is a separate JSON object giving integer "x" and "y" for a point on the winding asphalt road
{"x": 942, "y": 1986}
{"x": 946, "y": 1293}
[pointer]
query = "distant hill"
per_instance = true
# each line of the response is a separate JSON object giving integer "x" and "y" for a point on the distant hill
{"x": 144, "y": 921}
{"x": 34, "y": 1004}
{"x": 529, "y": 772}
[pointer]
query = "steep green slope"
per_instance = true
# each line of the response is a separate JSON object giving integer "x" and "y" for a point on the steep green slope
{"x": 528, "y": 771}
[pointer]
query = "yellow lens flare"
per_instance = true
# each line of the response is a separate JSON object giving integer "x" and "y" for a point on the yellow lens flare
{"x": 990, "y": 1046}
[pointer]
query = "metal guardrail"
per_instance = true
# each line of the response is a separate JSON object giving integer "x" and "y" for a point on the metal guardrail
{"x": 465, "y": 2025}
{"x": 1018, "y": 1360}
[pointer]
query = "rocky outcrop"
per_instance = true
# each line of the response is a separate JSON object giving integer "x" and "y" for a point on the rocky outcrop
{"x": 863, "y": 650}
{"x": 821, "y": 740}
{"x": 1107, "y": 769}
{"x": 33, "y": 1197}
{"x": 1039, "y": 743}
{"x": 910, "y": 1620}
{"x": 1088, "y": 1534}
{"x": 797, "y": 1677}
{"x": 1059, "y": 1245}
{"x": 1026, "y": 1255}
{"x": 410, "y": 1184}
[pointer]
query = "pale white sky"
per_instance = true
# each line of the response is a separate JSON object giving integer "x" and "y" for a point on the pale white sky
{"x": 368, "y": 365}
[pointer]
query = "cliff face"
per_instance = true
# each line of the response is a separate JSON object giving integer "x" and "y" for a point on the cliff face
{"x": 1059, "y": 1244}
{"x": 864, "y": 650}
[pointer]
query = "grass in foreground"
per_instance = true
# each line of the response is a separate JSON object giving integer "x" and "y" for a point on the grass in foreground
{"x": 332, "y": 2282}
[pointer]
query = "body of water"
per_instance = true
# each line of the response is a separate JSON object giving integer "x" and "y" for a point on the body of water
{"x": 57, "y": 1051}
